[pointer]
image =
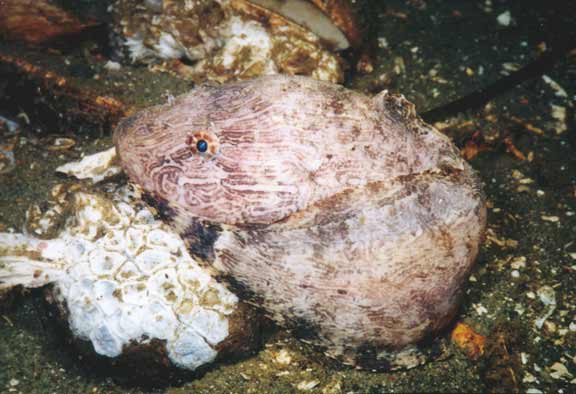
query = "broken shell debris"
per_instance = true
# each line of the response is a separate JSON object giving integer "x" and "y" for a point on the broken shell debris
{"x": 58, "y": 144}
{"x": 96, "y": 167}
{"x": 224, "y": 40}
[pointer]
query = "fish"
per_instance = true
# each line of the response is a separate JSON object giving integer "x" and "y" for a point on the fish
{"x": 345, "y": 217}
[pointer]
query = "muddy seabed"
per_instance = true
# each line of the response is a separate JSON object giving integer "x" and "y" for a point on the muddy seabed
{"x": 520, "y": 300}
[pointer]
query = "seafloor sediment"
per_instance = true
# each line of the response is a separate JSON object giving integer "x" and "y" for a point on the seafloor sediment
{"x": 521, "y": 297}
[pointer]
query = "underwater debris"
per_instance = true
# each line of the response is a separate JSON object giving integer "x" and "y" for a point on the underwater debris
{"x": 38, "y": 22}
{"x": 97, "y": 167}
{"x": 468, "y": 340}
{"x": 68, "y": 100}
{"x": 220, "y": 40}
{"x": 123, "y": 280}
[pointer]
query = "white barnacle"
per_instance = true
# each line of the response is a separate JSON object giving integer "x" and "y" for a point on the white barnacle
{"x": 124, "y": 278}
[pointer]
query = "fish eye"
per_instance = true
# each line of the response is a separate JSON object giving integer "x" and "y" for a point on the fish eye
{"x": 203, "y": 142}
{"x": 202, "y": 146}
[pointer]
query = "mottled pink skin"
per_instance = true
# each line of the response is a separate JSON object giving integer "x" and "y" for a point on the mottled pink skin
{"x": 284, "y": 143}
{"x": 335, "y": 211}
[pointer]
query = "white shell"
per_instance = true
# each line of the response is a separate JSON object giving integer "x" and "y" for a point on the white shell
{"x": 97, "y": 167}
{"x": 123, "y": 275}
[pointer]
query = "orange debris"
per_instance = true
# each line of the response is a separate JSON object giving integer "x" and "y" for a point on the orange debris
{"x": 37, "y": 21}
{"x": 468, "y": 340}
{"x": 512, "y": 149}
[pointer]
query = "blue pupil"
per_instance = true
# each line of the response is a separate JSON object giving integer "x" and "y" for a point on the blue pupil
{"x": 202, "y": 146}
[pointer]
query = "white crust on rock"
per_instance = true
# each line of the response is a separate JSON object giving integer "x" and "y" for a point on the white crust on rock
{"x": 124, "y": 278}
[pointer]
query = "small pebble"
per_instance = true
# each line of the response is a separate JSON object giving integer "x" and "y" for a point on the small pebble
{"x": 547, "y": 295}
{"x": 517, "y": 174}
{"x": 510, "y": 67}
{"x": 480, "y": 309}
{"x": 504, "y": 18}
{"x": 283, "y": 357}
{"x": 112, "y": 66}
{"x": 518, "y": 262}
{"x": 560, "y": 371}
{"x": 559, "y": 114}
{"x": 61, "y": 143}
{"x": 528, "y": 378}
{"x": 307, "y": 385}
{"x": 399, "y": 66}
{"x": 550, "y": 326}
{"x": 558, "y": 90}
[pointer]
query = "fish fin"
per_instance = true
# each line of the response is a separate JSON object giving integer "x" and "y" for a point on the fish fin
{"x": 23, "y": 261}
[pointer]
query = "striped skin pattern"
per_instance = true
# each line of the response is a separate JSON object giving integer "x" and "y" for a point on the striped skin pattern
{"x": 345, "y": 217}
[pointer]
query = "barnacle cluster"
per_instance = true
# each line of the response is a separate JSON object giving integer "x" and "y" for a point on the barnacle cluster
{"x": 121, "y": 276}
{"x": 222, "y": 40}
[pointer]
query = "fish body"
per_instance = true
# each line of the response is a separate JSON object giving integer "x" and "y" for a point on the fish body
{"x": 344, "y": 216}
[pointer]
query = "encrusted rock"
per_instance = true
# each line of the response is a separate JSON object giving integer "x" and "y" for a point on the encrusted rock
{"x": 125, "y": 281}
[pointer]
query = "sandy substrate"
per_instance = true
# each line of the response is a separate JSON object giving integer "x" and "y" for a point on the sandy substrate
{"x": 521, "y": 297}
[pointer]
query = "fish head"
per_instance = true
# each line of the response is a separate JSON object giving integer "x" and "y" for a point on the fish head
{"x": 217, "y": 155}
